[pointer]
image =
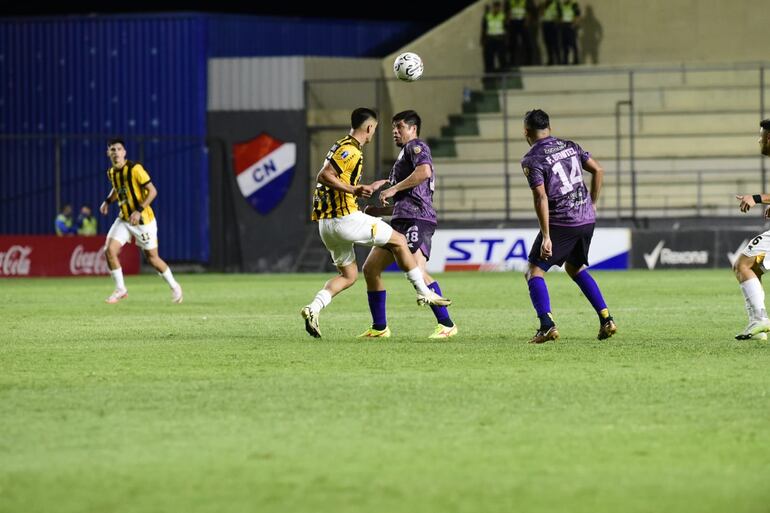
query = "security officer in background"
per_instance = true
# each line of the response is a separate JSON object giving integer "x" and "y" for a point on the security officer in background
{"x": 520, "y": 16}
{"x": 63, "y": 223}
{"x": 86, "y": 221}
{"x": 551, "y": 17}
{"x": 570, "y": 16}
{"x": 493, "y": 38}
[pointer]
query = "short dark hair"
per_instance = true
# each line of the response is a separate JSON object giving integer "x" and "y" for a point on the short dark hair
{"x": 116, "y": 140}
{"x": 765, "y": 124}
{"x": 537, "y": 120}
{"x": 360, "y": 115}
{"x": 409, "y": 117}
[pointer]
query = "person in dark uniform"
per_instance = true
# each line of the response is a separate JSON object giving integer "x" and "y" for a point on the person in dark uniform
{"x": 550, "y": 17}
{"x": 521, "y": 14}
{"x": 493, "y": 38}
{"x": 570, "y": 17}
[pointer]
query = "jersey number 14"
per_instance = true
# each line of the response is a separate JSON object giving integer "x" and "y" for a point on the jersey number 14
{"x": 575, "y": 175}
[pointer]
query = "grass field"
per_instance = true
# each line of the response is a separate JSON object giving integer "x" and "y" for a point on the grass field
{"x": 225, "y": 404}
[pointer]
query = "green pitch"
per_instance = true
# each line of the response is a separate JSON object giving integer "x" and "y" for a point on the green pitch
{"x": 225, "y": 404}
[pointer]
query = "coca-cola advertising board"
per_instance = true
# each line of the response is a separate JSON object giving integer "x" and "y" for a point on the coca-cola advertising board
{"x": 44, "y": 255}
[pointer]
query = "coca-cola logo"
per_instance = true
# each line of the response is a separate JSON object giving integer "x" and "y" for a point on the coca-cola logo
{"x": 15, "y": 261}
{"x": 88, "y": 262}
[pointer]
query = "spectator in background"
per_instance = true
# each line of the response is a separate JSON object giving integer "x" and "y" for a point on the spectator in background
{"x": 493, "y": 38}
{"x": 63, "y": 223}
{"x": 591, "y": 35}
{"x": 86, "y": 222}
{"x": 550, "y": 19}
{"x": 521, "y": 14}
{"x": 570, "y": 17}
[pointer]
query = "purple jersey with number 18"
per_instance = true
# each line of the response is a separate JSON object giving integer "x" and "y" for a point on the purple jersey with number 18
{"x": 558, "y": 165}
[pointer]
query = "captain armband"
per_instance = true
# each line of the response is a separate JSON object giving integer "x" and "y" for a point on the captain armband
{"x": 757, "y": 198}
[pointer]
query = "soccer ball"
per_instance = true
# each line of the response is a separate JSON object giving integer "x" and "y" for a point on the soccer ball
{"x": 408, "y": 67}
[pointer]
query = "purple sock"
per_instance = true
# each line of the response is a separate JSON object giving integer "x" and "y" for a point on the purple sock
{"x": 377, "y": 307}
{"x": 591, "y": 290}
{"x": 538, "y": 293}
{"x": 441, "y": 313}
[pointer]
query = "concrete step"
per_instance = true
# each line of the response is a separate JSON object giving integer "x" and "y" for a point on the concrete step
{"x": 588, "y": 78}
{"x": 680, "y": 145}
{"x": 752, "y": 164}
{"x": 679, "y": 98}
{"x": 490, "y": 126}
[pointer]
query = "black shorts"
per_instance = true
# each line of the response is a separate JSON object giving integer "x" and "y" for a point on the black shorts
{"x": 568, "y": 244}
{"x": 418, "y": 234}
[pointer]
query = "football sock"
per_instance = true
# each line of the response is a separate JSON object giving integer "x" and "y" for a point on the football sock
{"x": 441, "y": 312}
{"x": 755, "y": 299}
{"x": 591, "y": 290}
{"x": 538, "y": 293}
{"x": 117, "y": 275}
{"x": 755, "y": 316}
{"x": 321, "y": 300}
{"x": 377, "y": 307}
{"x": 415, "y": 278}
{"x": 166, "y": 275}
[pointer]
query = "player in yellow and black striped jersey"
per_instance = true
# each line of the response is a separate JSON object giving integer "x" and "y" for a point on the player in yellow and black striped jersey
{"x": 341, "y": 225}
{"x": 130, "y": 182}
{"x": 347, "y": 160}
{"x": 133, "y": 190}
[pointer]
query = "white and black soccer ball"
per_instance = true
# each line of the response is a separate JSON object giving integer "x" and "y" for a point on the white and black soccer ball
{"x": 408, "y": 67}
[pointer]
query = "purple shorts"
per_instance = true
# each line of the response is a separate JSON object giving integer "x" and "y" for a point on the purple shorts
{"x": 569, "y": 244}
{"x": 418, "y": 234}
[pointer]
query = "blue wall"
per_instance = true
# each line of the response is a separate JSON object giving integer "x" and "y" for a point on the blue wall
{"x": 67, "y": 84}
{"x": 90, "y": 78}
{"x": 251, "y": 36}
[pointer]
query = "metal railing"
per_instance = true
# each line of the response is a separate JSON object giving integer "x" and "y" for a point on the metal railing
{"x": 625, "y": 101}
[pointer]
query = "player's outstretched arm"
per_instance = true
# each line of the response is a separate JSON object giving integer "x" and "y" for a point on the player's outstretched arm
{"x": 596, "y": 170}
{"x": 374, "y": 210}
{"x": 328, "y": 176}
{"x": 420, "y": 174}
{"x": 379, "y": 183}
{"x": 541, "y": 209}
{"x": 749, "y": 200}
{"x": 104, "y": 208}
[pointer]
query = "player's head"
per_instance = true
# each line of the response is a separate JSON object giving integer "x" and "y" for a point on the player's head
{"x": 537, "y": 125}
{"x": 116, "y": 150}
{"x": 364, "y": 122}
{"x": 406, "y": 126}
{"x": 764, "y": 137}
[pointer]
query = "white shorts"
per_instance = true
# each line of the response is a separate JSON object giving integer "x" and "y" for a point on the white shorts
{"x": 145, "y": 235}
{"x": 341, "y": 233}
{"x": 757, "y": 248}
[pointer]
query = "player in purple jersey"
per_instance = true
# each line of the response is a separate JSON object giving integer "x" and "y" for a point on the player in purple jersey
{"x": 752, "y": 262}
{"x": 411, "y": 191}
{"x": 566, "y": 212}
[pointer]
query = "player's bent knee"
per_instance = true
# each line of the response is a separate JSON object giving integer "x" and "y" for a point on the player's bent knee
{"x": 371, "y": 270}
{"x": 397, "y": 240}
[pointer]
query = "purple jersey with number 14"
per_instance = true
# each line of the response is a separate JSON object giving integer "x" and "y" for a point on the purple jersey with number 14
{"x": 558, "y": 165}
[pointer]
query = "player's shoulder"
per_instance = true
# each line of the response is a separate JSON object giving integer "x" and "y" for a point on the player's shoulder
{"x": 417, "y": 147}
{"x": 346, "y": 147}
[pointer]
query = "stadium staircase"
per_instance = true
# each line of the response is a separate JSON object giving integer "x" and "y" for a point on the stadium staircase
{"x": 694, "y": 145}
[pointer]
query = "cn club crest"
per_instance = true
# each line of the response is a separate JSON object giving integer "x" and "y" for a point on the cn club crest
{"x": 264, "y": 168}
